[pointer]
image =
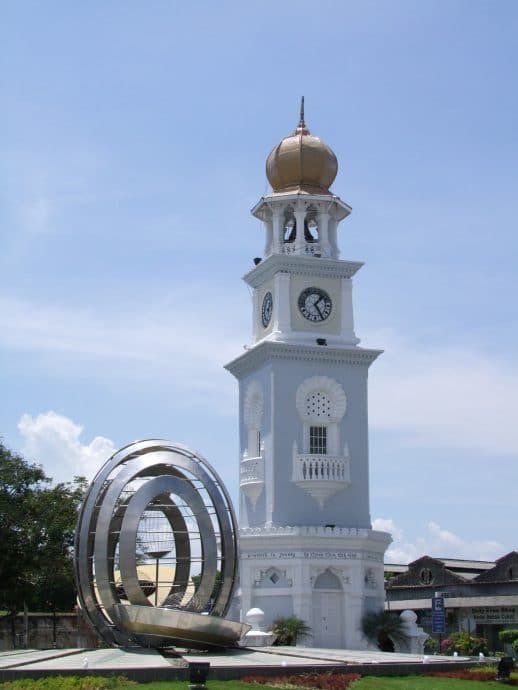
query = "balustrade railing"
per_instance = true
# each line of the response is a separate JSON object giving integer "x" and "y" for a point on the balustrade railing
{"x": 251, "y": 470}
{"x": 327, "y": 468}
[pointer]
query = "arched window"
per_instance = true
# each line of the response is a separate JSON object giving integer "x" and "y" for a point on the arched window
{"x": 327, "y": 580}
{"x": 290, "y": 226}
{"x": 311, "y": 233}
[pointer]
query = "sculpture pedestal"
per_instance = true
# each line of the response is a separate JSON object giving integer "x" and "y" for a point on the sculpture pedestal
{"x": 256, "y": 637}
{"x": 415, "y": 636}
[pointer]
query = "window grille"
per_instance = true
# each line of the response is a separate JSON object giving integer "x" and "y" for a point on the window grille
{"x": 318, "y": 440}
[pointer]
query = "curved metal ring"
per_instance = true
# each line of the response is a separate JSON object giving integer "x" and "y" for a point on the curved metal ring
{"x": 110, "y": 516}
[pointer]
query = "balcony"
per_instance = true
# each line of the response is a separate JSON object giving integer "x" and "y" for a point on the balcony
{"x": 321, "y": 475}
{"x": 251, "y": 477}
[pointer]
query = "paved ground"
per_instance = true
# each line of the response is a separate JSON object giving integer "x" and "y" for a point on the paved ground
{"x": 281, "y": 657}
{"x": 90, "y": 659}
{"x": 254, "y": 658}
{"x": 22, "y": 657}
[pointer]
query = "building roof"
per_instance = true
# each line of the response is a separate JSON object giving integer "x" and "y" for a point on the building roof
{"x": 427, "y": 573}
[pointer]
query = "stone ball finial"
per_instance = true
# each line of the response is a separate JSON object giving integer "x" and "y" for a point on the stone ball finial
{"x": 408, "y": 616}
{"x": 254, "y": 617}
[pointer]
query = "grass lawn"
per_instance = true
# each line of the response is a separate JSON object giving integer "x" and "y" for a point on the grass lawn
{"x": 422, "y": 683}
{"x": 367, "y": 683}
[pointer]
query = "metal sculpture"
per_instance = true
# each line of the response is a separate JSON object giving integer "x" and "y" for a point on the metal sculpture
{"x": 195, "y": 527}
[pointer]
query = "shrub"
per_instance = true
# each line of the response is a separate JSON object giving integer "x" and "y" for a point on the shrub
{"x": 466, "y": 644}
{"x": 323, "y": 681}
{"x": 289, "y": 630}
{"x": 383, "y": 628}
{"x": 510, "y": 637}
{"x": 431, "y": 645}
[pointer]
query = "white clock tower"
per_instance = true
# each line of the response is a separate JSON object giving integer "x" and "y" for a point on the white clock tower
{"x": 306, "y": 544}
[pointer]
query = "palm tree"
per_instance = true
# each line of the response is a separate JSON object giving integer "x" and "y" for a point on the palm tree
{"x": 383, "y": 628}
{"x": 288, "y": 630}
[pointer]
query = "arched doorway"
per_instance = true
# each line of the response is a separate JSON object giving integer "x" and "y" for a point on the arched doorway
{"x": 328, "y": 629}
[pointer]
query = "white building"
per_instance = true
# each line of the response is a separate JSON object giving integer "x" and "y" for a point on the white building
{"x": 306, "y": 543}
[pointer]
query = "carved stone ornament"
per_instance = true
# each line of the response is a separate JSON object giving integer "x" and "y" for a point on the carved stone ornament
{"x": 321, "y": 398}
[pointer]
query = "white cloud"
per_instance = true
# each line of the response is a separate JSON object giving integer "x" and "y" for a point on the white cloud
{"x": 141, "y": 341}
{"x": 442, "y": 396}
{"x": 387, "y": 525}
{"x": 53, "y": 441}
{"x": 437, "y": 542}
{"x": 448, "y": 396}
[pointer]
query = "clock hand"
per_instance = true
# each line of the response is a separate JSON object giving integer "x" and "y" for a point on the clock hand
{"x": 318, "y": 308}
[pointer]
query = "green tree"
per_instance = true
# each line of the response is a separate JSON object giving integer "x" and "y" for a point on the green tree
{"x": 510, "y": 637}
{"x": 54, "y": 576}
{"x": 37, "y": 524}
{"x": 289, "y": 630}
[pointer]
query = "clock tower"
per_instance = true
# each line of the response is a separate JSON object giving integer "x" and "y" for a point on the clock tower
{"x": 306, "y": 544}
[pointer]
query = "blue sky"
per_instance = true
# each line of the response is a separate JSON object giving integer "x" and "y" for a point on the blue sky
{"x": 133, "y": 139}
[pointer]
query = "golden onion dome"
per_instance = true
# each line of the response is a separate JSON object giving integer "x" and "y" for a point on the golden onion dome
{"x": 301, "y": 162}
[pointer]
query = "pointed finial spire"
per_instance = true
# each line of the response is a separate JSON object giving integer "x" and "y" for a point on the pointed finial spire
{"x": 302, "y": 123}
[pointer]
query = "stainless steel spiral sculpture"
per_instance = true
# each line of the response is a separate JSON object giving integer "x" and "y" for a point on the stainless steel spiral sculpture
{"x": 195, "y": 524}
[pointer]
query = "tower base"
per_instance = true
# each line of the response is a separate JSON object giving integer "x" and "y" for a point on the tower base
{"x": 329, "y": 577}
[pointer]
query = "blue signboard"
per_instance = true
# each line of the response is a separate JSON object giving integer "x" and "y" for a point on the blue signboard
{"x": 438, "y": 617}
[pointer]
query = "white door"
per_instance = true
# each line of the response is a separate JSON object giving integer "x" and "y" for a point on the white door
{"x": 327, "y": 620}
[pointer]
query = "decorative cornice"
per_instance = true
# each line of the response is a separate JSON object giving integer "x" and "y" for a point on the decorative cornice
{"x": 285, "y": 543}
{"x": 262, "y": 209}
{"x": 313, "y": 531}
{"x": 267, "y": 351}
{"x": 300, "y": 265}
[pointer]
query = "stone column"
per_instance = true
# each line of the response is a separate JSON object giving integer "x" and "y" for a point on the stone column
{"x": 281, "y": 303}
{"x": 302, "y": 599}
{"x": 269, "y": 237}
{"x": 347, "y": 316}
{"x": 323, "y": 234}
{"x": 256, "y": 314}
{"x": 335, "y": 252}
{"x": 277, "y": 230}
{"x": 300, "y": 240}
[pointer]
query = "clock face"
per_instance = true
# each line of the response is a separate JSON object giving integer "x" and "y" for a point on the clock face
{"x": 266, "y": 309}
{"x": 315, "y": 304}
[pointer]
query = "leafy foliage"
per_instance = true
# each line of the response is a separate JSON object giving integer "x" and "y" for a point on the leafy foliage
{"x": 431, "y": 645}
{"x": 325, "y": 681}
{"x": 289, "y": 630}
{"x": 464, "y": 643}
{"x": 510, "y": 637}
{"x": 382, "y": 628}
{"x": 37, "y": 523}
